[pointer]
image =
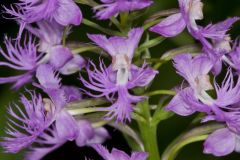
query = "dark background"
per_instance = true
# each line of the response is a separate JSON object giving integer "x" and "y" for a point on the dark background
{"x": 214, "y": 11}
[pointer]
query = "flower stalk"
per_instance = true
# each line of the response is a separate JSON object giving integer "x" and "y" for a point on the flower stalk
{"x": 194, "y": 135}
{"x": 148, "y": 132}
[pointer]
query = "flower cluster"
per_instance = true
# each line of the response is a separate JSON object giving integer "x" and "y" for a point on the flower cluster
{"x": 116, "y": 90}
{"x": 196, "y": 70}
{"x": 44, "y": 124}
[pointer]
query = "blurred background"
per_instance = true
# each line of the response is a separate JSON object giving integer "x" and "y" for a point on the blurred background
{"x": 214, "y": 11}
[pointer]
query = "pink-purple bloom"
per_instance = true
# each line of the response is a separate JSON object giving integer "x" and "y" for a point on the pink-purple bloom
{"x": 194, "y": 98}
{"x": 49, "y": 33}
{"x": 46, "y": 124}
{"x": 22, "y": 58}
{"x": 190, "y": 11}
{"x": 233, "y": 58}
{"x": 118, "y": 154}
{"x": 33, "y": 122}
{"x": 60, "y": 57}
{"x": 119, "y": 77}
{"x": 50, "y": 140}
{"x": 112, "y": 8}
{"x": 64, "y": 12}
{"x": 27, "y": 56}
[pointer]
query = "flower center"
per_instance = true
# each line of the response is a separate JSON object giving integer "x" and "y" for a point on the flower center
{"x": 121, "y": 64}
{"x": 48, "y": 105}
{"x": 203, "y": 84}
{"x": 195, "y": 12}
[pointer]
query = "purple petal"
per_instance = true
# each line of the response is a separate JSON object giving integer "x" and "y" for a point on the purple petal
{"x": 123, "y": 107}
{"x": 217, "y": 68}
{"x": 171, "y": 26}
{"x": 66, "y": 126}
{"x": 227, "y": 93}
{"x": 179, "y": 106}
{"x": 119, "y": 45}
{"x": 101, "y": 150}
{"x": 191, "y": 11}
{"x": 112, "y": 8}
{"x": 139, "y": 156}
{"x": 100, "y": 135}
{"x": 26, "y": 125}
{"x": 220, "y": 143}
{"x": 21, "y": 57}
{"x": 100, "y": 81}
{"x": 47, "y": 77}
{"x": 218, "y": 31}
{"x": 118, "y": 154}
{"x": 49, "y": 32}
{"x": 46, "y": 143}
{"x": 141, "y": 76}
{"x": 194, "y": 70}
{"x": 86, "y": 132}
{"x": 59, "y": 56}
{"x": 72, "y": 93}
{"x": 74, "y": 65}
{"x": 18, "y": 81}
{"x": 68, "y": 13}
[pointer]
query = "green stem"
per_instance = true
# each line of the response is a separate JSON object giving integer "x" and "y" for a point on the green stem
{"x": 99, "y": 124}
{"x": 183, "y": 143}
{"x": 194, "y": 135}
{"x": 160, "y": 14}
{"x": 148, "y": 132}
{"x": 159, "y": 92}
{"x": 149, "y": 136}
{"x": 100, "y": 28}
{"x": 150, "y": 24}
{"x": 87, "y": 2}
{"x": 151, "y": 43}
{"x": 124, "y": 21}
{"x": 84, "y": 49}
{"x": 83, "y": 110}
{"x": 86, "y": 103}
{"x": 115, "y": 22}
{"x": 167, "y": 56}
{"x": 126, "y": 130}
{"x": 64, "y": 37}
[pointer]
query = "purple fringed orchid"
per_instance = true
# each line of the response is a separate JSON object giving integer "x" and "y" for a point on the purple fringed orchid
{"x": 33, "y": 123}
{"x": 26, "y": 57}
{"x": 222, "y": 142}
{"x": 112, "y": 8}
{"x": 49, "y": 33}
{"x": 224, "y": 109}
{"x": 195, "y": 71}
{"x": 190, "y": 11}
{"x": 219, "y": 46}
{"x": 46, "y": 122}
{"x": 118, "y": 154}
{"x": 233, "y": 58}
{"x": 119, "y": 77}
{"x": 64, "y": 12}
{"x": 60, "y": 57}
{"x": 50, "y": 141}
{"x": 22, "y": 58}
